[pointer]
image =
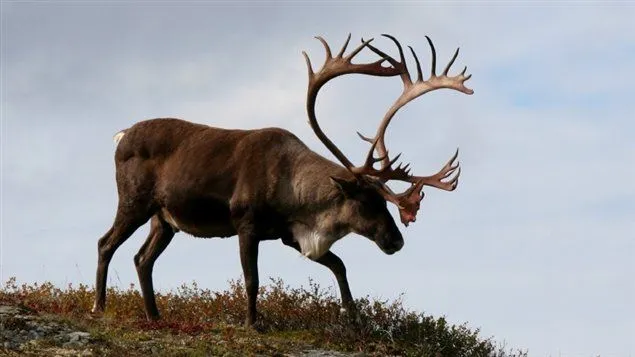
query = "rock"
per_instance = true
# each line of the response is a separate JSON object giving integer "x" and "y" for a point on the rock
{"x": 79, "y": 336}
{"x": 10, "y": 310}
{"x": 21, "y": 329}
{"x": 77, "y": 339}
{"x": 34, "y": 334}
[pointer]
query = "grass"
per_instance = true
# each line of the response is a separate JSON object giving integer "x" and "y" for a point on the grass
{"x": 198, "y": 321}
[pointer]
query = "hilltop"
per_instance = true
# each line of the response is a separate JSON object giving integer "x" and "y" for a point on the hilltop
{"x": 41, "y": 319}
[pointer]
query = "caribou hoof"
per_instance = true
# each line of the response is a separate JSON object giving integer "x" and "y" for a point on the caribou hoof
{"x": 351, "y": 314}
{"x": 153, "y": 317}
{"x": 97, "y": 310}
{"x": 257, "y": 326}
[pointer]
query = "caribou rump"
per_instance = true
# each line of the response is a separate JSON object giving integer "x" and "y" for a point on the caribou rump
{"x": 267, "y": 184}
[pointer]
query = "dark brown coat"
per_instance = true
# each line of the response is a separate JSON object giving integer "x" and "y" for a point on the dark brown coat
{"x": 257, "y": 184}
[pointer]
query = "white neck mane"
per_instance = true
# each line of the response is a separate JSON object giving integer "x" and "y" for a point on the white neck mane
{"x": 313, "y": 244}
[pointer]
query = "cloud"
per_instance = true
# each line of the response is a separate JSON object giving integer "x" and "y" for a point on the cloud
{"x": 535, "y": 246}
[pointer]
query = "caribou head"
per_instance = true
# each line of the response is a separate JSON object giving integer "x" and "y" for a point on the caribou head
{"x": 368, "y": 177}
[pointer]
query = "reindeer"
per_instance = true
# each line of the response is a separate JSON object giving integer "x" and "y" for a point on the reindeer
{"x": 267, "y": 184}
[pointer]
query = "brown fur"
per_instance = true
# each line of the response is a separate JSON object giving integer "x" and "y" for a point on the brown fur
{"x": 257, "y": 184}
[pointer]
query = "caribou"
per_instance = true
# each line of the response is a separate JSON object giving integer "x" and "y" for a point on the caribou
{"x": 266, "y": 184}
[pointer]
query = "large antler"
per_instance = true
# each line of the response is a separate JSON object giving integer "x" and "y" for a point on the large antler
{"x": 334, "y": 67}
{"x": 408, "y": 201}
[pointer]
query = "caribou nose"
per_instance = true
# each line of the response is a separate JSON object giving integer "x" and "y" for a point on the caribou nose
{"x": 393, "y": 247}
{"x": 396, "y": 247}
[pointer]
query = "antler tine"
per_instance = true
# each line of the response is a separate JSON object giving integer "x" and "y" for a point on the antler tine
{"x": 308, "y": 64}
{"x": 419, "y": 73}
{"x": 447, "y": 68}
{"x": 370, "y": 159}
{"x": 433, "y": 70}
{"x": 358, "y": 49}
{"x": 341, "y": 53}
{"x": 392, "y": 162}
{"x": 446, "y": 171}
{"x": 365, "y": 138}
{"x": 327, "y": 48}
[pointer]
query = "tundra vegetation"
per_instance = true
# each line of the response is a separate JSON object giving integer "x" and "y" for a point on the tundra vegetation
{"x": 304, "y": 321}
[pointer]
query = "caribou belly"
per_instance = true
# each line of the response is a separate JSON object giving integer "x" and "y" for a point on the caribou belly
{"x": 208, "y": 228}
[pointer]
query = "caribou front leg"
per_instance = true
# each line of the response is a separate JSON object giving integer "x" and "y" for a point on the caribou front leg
{"x": 248, "y": 241}
{"x": 335, "y": 265}
{"x": 249, "y": 260}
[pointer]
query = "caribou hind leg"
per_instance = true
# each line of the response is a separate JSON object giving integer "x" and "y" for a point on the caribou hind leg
{"x": 127, "y": 221}
{"x": 161, "y": 234}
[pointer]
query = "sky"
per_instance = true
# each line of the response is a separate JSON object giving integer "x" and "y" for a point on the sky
{"x": 536, "y": 247}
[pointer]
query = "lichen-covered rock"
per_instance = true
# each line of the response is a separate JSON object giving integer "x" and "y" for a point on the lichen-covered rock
{"x": 22, "y": 330}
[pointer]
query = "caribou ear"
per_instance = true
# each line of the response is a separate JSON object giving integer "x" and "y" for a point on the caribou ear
{"x": 348, "y": 188}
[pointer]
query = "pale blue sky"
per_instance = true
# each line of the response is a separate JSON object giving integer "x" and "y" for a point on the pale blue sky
{"x": 536, "y": 246}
